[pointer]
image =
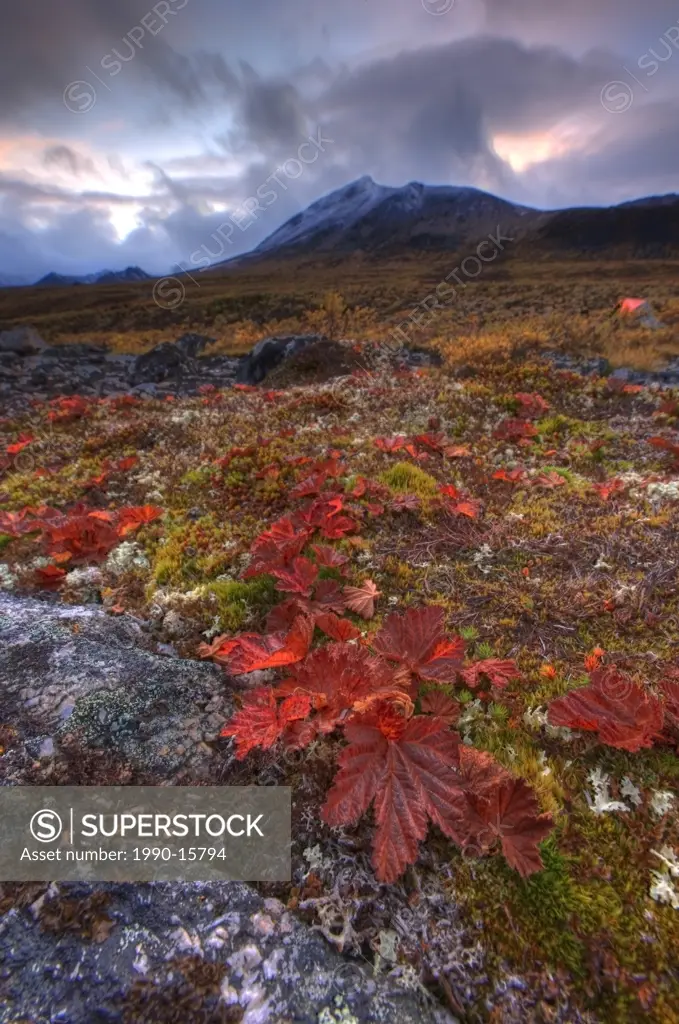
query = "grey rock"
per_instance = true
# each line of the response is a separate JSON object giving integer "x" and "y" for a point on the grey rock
{"x": 270, "y": 353}
{"x": 193, "y": 345}
{"x": 23, "y": 341}
{"x": 275, "y": 969}
{"x": 170, "y": 360}
{"x": 68, "y": 669}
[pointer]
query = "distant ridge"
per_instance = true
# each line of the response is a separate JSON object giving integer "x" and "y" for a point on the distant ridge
{"x": 366, "y": 217}
{"x": 54, "y": 280}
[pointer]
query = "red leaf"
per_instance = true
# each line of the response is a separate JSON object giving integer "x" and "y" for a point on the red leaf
{"x": 18, "y": 446}
{"x": 260, "y": 722}
{"x": 624, "y": 714}
{"x": 299, "y": 578}
{"x": 336, "y": 628}
{"x": 470, "y": 509}
{"x": 512, "y": 429}
{"x": 503, "y": 808}
{"x": 548, "y": 480}
{"x": 457, "y": 451}
{"x": 665, "y": 445}
{"x": 390, "y": 444}
{"x": 609, "y": 487}
{"x": 532, "y": 405}
{"x": 296, "y": 646}
{"x": 336, "y": 677}
{"x": 443, "y": 707}
{"x": 417, "y": 641}
{"x": 406, "y": 503}
{"x": 361, "y": 600}
{"x": 327, "y": 557}
{"x": 498, "y": 671}
{"x": 243, "y": 653}
{"x": 50, "y": 576}
{"x": 406, "y": 767}
{"x": 132, "y": 517}
{"x": 512, "y": 476}
{"x": 327, "y": 598}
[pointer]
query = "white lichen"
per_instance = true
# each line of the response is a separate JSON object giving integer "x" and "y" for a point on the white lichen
{"x": 662, "y": 888}
{"x": 126, "y": 557}
{"x": 662, "y": 802}
{"x": 8, "y": 580}
{"x": 600, "y": 802}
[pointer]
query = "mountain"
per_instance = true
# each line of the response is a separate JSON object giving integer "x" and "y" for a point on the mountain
{"x": 367, "y": 216}
{"x": 364, "y": 216}
{"x": 102, "y": 277}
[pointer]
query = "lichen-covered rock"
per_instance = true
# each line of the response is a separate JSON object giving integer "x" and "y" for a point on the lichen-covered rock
{"x": 162, "y": 953}
{"x": 159, "y": 952}
{"x": 22, "y": 340}
{"x": 270, "y": 353}
{"x": 75, "y": 669}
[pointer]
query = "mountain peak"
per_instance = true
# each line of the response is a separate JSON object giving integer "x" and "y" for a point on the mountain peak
{"x": 364, "y": 215}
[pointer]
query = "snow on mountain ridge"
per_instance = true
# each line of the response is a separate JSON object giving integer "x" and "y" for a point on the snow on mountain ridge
{"x": 341, "y": 209}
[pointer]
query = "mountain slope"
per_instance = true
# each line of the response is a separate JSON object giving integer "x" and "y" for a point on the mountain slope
{"x": 364, "y": 216}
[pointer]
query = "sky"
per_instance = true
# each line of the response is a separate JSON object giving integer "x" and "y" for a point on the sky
{"x": 164, "y": 132}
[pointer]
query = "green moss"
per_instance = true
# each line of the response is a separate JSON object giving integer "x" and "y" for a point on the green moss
{"x": 4, "y": 540}
{"x": 405, "y": 478}
{"x": 235, "y": 600}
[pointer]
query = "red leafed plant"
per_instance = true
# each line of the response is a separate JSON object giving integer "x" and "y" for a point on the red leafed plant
{"x": 361, "y": 600}
{"x": 624, "y": 714}
{"x": 262, "y": 721}
{"x": 512, "y": 429}
{"x": 609, "y": 487}
{"x": 532, "y": 405}
{"x": 407, "y": 767}
{"x": 502, "y": 809}
{"x": 299, "y": 578}
{"x": 250, "y": 652}
{"x": 498, "y": 671}
{"x": 415, "y": 771}
{"x": 665, "y": 445}
{"x": 417, "y": 641}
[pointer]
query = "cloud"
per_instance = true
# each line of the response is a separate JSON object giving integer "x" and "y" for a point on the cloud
{"x": 197, "y": 108}
{"x": 67, "y": 159}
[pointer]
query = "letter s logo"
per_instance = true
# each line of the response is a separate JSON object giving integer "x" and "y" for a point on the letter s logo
{"x": 46, "y": 826}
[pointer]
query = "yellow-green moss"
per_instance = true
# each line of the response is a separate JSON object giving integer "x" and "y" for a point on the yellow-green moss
{"x": 236, "y": 600}
{"x": 406, "y": 478}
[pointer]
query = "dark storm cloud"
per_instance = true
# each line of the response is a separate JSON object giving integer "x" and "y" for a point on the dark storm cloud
{"x": 67, "y": 159}
{"x": 44, "y": 46}
{"x": 213, "y": 96}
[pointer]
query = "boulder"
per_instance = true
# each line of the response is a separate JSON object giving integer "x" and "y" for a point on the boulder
{"x": 171, "y": 953}
{"x": 151, "y": 953}
{"x": 73, "y": 670}
{"x": 23, "y": 341}
{"x": 270, "y": 353}
{"x": 170, "y": 360}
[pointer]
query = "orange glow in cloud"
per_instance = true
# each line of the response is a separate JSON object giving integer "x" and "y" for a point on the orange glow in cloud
{"x": 524, "y": 151}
